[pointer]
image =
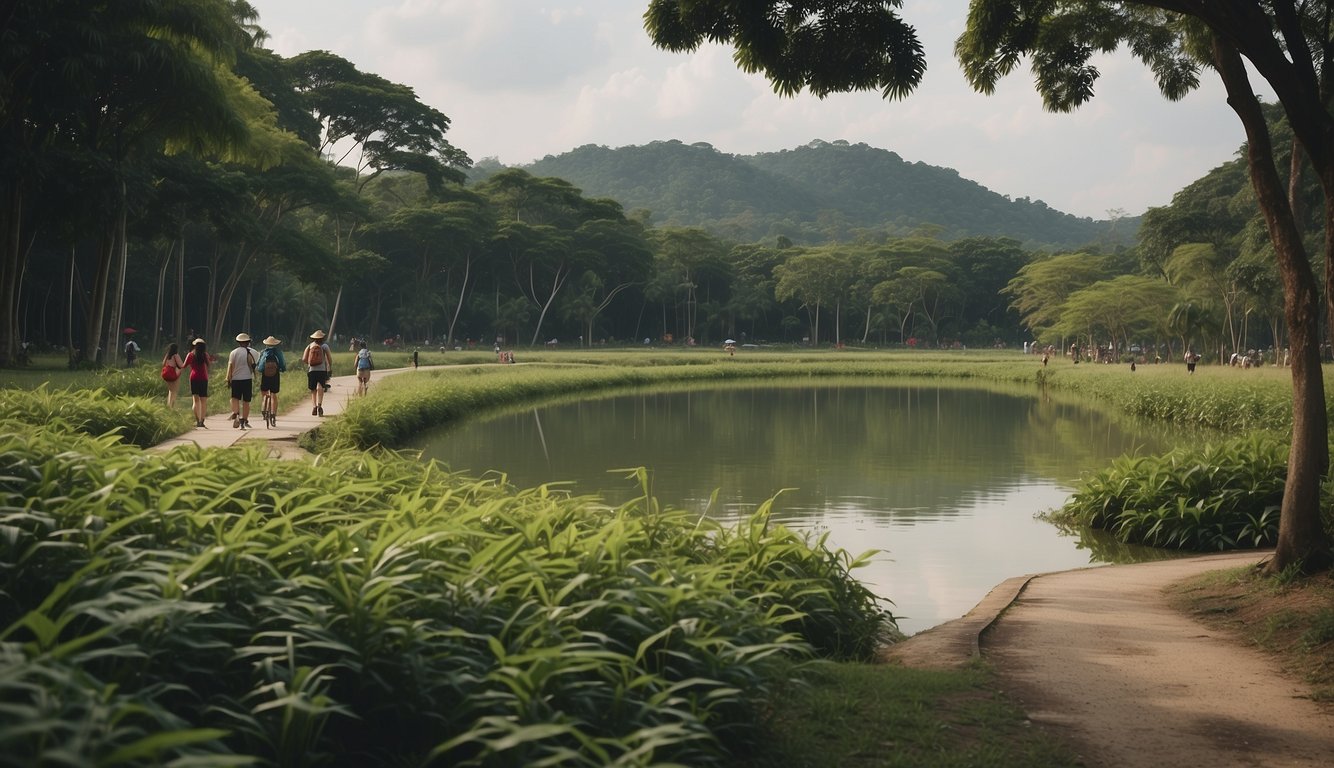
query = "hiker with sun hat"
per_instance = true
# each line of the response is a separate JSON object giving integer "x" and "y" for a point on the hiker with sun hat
{"x": 319, "y": 361}
{"x": 271, "y": 365}
{"x": 241, "y": 378}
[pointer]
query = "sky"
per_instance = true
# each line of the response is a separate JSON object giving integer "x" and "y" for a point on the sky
{"x": 522, "y": 79}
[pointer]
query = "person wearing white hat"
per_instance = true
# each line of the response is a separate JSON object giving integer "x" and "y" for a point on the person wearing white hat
{"x": 198, "y": 362}
{"x": 319, "y": 361}
{"x": 271, "y": 365}
{"x": 241, "y": 378}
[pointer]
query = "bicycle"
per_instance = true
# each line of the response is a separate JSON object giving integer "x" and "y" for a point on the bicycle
{"x": 267, "y": 410}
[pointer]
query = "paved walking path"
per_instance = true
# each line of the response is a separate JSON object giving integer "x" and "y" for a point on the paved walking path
{"x": 293, "y": 401}
{"x": 1099, "y": 656}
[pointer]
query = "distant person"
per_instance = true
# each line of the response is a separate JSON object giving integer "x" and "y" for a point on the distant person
{"x": 1191, "y": 360}
{"x": 365, "y": 364}
{"x": 131, "y": 352}
{"x": 414, "y": 359}
{"x": 171, "y": 372}
{"x": 197, "y": 361}
{"x": 1074, "y": 353}
{"x": 319, "y": 363}
{"x": 272, "y": 364}
{"x": 241, "y": 365}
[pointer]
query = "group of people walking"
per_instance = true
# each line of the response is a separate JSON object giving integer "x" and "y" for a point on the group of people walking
{"x": 245, "y": 366}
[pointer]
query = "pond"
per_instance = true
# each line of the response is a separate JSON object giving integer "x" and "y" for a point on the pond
{"x": 944, "y": 481}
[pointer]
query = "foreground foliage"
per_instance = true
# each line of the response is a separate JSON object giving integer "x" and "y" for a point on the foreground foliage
{"x": 220, "y": 608}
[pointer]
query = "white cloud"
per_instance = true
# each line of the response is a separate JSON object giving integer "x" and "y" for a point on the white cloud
{"x": 523, "y": 79}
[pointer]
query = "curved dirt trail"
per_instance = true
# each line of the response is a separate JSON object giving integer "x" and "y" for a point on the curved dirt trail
{"x": 1100, "y": 657}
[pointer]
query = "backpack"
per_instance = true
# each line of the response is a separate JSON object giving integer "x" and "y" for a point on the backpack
{"x": 270, "y": 364}
{"x": 364, "y": 359}
{"x": 315, "y": 355}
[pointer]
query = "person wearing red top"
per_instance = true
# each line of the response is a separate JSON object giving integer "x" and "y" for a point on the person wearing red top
{"x": 197, "y": 362}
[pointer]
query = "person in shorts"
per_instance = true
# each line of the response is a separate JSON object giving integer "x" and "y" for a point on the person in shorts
{"x": 365, "y": 364}
{"x": 197, "y": 361}
{"x": 319, "y": 362}
{"x": 271, "y": 366}
{"x": 241, "y": 379}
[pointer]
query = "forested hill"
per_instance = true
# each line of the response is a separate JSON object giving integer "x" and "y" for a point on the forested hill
{"x": 820, "y": 192}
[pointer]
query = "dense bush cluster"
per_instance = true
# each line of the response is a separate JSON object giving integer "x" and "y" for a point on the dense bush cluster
{"x": 216, "y": 607}
{"x": 1216, "y": 497}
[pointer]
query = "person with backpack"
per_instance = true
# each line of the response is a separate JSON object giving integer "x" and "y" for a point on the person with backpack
{"x": 131, "y": 352}
{"x": 271, "y": 365}
{"x": 171, "y": 372}
{"x": 364, "y": 367}
{"x": 241, "y": 364}
{"x": 319, "y": 362}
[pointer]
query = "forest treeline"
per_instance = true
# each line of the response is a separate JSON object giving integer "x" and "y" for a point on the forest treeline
{"x": 169, "y": 173}
{"x": 814, "y": 194}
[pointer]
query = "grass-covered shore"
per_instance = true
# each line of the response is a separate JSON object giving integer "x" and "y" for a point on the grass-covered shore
{"x": 219, "y": 608}
{"x": 1214, "y": 398}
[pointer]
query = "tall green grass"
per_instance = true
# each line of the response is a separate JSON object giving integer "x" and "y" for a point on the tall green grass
{"x": 138, "y": 420}
{"x": 216, "y": 607}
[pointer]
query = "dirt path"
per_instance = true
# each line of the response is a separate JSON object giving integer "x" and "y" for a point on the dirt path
{"x": 1099, "y": 656}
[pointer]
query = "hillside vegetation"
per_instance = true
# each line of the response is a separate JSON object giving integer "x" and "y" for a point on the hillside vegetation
{"x": 813, "y": 194}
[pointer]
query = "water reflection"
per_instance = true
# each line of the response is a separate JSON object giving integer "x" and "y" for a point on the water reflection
{"x": 945, "y": 481}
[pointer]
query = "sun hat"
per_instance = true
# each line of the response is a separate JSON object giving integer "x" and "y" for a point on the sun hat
{"x": 317, "y": 335}
{"x": 243, "y": 337}
{"x": 197, "y": 341}
{"x": 272, "y": 342}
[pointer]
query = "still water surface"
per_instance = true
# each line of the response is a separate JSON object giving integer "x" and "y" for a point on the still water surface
{"x": 944, "y": 481}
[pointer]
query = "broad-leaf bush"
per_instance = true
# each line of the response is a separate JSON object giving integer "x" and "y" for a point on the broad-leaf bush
{"x": 217, "y": 607}
{"x": 1214, "y": 497}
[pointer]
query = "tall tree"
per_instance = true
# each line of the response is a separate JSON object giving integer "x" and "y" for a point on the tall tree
{"x": 115, "y": 83}
{"x": 1290, "y": 45}
{"x": 829, "y": 46}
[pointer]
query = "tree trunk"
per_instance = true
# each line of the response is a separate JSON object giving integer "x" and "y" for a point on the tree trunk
{"x": 161, "y": 289}
{"x": 117, "y": 320}
{"x": 93, "y": 348}
{"x": 1302, "y": 541}
{"x": 10, "y": 263}
{"x": 178, "y": 317}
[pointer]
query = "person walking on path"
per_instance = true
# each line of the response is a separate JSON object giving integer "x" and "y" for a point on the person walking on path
{"x": 319, "y": 362}
{"x": 364, "y": 367}
{"x": 271, "y": 365}
{"x": 241, "y": 379}
{"x": 197, "y": 362}
{"x": 131, "y": 352}
{"x": 171, "y": 372}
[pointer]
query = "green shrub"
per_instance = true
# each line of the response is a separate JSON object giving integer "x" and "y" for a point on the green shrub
{"x": 1224, "y": 496}
{"x": 217, "y": 607}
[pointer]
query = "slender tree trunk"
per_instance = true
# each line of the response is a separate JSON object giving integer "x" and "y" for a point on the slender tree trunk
{"x": 116, "y": 319}
{"x": 178, "y": 317}
{"x": 463, "y": 293}
{"x": 1302, "y": 541}
{"x": 69, "y": 311}
{"x": 161, "y": 288}
{"x": 93, "y": 347}
{"x": 333, "y": 319}
{"x": 10, "y": 264}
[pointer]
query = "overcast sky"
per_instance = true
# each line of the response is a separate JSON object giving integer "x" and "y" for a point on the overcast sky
{"x": 521, "y": 79}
